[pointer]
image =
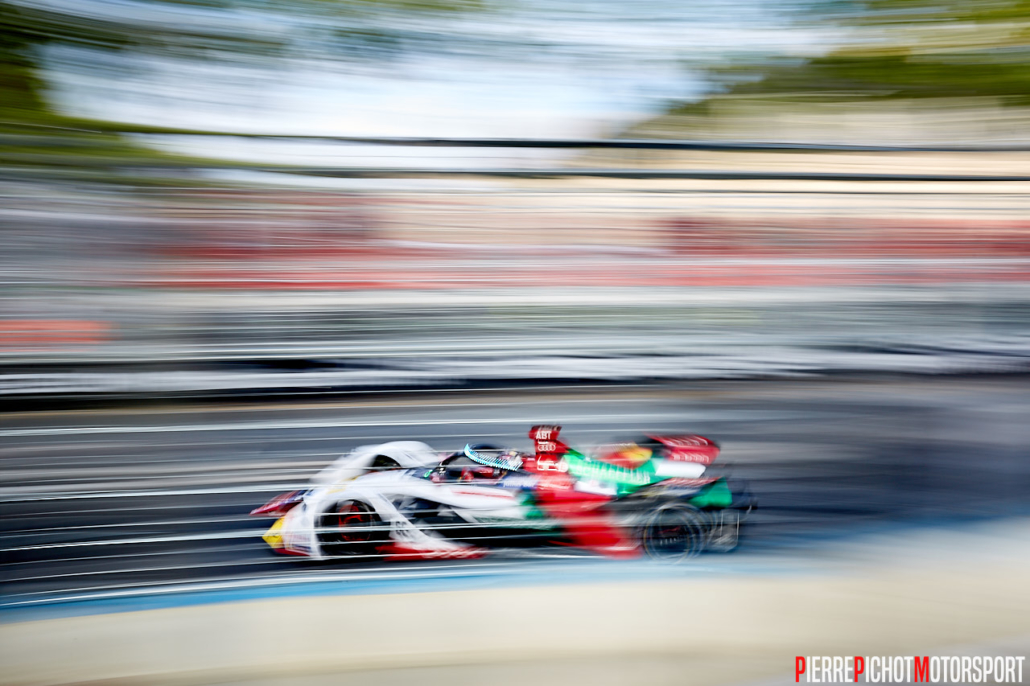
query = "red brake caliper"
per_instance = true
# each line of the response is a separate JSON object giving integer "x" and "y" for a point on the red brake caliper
{"x": 351, "y": 515}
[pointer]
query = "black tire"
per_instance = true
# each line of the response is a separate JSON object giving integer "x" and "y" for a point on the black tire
{"x": 350, "y": 528}
{"x": 674, "y": 532}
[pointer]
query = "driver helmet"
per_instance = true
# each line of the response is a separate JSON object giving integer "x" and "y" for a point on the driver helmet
{"x": 503, "y": 459}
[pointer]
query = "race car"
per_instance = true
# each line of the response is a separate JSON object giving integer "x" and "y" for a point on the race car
{"x": 402, "y": 500}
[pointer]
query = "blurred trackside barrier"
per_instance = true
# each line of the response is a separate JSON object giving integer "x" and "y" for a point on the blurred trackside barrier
{"x": 718, "y": 259}
{"x": 418, "y": 277}
{"x": 962, "y": 201}
{"x": 29, "y": 333}
{"x": 855, "y": 237}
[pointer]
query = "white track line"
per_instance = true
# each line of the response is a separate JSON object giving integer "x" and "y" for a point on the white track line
{"x": 336, "y": 424}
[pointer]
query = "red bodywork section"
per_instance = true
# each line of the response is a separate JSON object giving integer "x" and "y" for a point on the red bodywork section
{"x": 583, "y": 517}
{"x": 279, "y": 505}
{"x": 582, "y": 514}
{"x": 399, "y": 552}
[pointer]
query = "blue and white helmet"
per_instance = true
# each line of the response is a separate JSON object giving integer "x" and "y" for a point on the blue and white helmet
{"x": 492, "y": 456}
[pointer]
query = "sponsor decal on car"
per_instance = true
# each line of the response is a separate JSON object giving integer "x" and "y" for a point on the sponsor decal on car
{"x": 689, "y": 483}
{"x": 602, "y": 471}
{"x": 522, "y": 483}
{"x": 690, "y": 456}
{"x": 690, "y": 448}
{"x": 544, "y": 432}
{"x": 486, "y": 493}
{"x": 551, "y": 464}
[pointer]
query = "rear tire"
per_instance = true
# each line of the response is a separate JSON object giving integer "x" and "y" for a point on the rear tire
{"x": 673, "y": 533}
{"x": 350, "y": 529}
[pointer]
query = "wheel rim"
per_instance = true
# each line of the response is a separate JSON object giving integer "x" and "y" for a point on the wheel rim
{"x": 352, "y": 522}
{"x": 672, "y": 535}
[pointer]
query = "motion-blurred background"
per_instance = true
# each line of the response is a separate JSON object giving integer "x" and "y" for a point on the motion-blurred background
{"x": 239, "y": 237}
{"x": 304, "y": 195}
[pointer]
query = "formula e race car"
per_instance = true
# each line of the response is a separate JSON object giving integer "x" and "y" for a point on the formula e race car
{"x": 403, "y": 500}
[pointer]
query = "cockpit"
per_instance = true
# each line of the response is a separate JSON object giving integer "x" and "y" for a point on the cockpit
{"x": 477, "y": 463}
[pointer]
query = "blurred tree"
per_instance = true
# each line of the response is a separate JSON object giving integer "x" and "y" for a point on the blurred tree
{"x": 38, "y": 137}
{"x": 920, "y": 49}
{"x": 26, "y": 29}
{"x": 895, "y": 50}
{"x": 19, "y": 82}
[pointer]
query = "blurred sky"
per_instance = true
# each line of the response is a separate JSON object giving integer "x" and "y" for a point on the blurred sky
{"x": 529, "y": 68}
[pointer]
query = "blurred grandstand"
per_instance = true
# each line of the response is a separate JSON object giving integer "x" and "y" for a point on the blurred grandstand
{"x": 457, "y": 276}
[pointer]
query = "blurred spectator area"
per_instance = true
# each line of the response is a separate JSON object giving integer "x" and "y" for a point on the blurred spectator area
{"x": 849, "y": 237}
{"x": 481, "y": 232}
{"x": 568, "y": 217}
{"x": 467, "y": 276}
{"x": 248, "y": 224}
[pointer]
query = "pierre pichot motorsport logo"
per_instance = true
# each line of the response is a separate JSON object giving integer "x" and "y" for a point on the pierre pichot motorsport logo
{"x": 909, "y": 669}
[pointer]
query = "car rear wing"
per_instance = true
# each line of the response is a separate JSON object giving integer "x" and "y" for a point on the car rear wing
{"x": 688, "y": 448}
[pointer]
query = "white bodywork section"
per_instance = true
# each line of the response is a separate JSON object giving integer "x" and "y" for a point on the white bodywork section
{"x": 359, "y": 461}
{"x": 685, "y": 470}
{"x": 349, "y": 478}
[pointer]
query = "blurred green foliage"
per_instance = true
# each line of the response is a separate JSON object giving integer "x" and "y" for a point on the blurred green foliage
{"x": 40, "y": 140}
{"x": 37, "y": 138}
{"x": 909, "y": 12}
{"x": 903, "y": 49}
{"x": 20, "y": 84}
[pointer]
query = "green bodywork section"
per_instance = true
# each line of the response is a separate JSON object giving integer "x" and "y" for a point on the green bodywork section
{"x": 626, "y": 481}
{"x": 716, "y": 495}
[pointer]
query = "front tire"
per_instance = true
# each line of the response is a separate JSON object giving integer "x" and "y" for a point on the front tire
{"x": 351, "y": 528}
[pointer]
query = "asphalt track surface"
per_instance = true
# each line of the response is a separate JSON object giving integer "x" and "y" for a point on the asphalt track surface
{"x": 139, "y": 499}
